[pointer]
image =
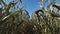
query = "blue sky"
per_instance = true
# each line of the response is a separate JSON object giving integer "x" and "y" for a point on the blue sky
{"x": 31, "y": 5}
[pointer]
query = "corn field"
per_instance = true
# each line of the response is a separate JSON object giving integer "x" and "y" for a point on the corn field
{"x": 18, "y": 21}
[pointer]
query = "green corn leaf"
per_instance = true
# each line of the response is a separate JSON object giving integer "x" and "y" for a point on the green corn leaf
{"x": 12, "y": 14}
{"x": 7, "y": 7}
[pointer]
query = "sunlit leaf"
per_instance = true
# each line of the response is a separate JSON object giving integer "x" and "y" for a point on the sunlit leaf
{"x": 12, "y": 14}
{"x": 51, "y": 8}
